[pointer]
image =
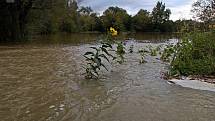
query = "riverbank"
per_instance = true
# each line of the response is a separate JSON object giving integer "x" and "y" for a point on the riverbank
{"x": 195, "y": 82}
{"x": 207, "y": 79}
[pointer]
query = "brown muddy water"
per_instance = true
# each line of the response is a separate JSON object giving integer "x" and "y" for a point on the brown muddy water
{"x": 43, "y": 81}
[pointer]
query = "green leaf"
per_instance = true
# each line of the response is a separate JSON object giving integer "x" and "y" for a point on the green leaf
{"x": 89, "y": 53}
{"x": 94, "y": 48}
{"x": 90, "y": 59}
{"x": 87, "y": 58}
{"x": 106, "y": 52}
{"x": 104, "y": 67}
{"x": 102, "y": 55}
{"x": 106, "y": 45}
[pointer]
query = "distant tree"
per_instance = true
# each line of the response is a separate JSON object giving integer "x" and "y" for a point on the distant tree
{"x": 188, "y": 25}
{"x": 85, "y": 10}
{"x": 142, "y": 21}
{"x": 160, "y": 15}
{"x": 29, "y": 17}
{"x": 14, "y": 15}
{"x": 204, "y": 10}
{"x": 116, "y": 17}
{"x": 87, "y": 19}
{"x": 70, "y": 18}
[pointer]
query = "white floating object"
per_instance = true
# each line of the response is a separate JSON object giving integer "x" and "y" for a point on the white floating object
{"x": 61, "y": 105}
{"x": 52, "y": 106}
{"x": 195, "y": 84}
{"x": 27, "y": 111}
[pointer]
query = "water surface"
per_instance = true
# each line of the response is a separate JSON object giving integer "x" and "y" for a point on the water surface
{"x": 44, "y": 82}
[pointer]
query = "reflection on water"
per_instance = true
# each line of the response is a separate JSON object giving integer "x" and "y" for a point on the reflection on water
{"x": 44, "y": 82}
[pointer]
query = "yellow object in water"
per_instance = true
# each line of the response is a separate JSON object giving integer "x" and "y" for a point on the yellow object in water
{"x": 113, "y": 31}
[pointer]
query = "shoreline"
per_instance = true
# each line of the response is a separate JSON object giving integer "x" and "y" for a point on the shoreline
{"x": 207, "y": 79}
{"x": 199, "y": 83}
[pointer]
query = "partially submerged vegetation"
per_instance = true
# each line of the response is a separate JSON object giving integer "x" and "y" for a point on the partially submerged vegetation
{"x": 95, "y": 58}
{"x": 193, "y": 55}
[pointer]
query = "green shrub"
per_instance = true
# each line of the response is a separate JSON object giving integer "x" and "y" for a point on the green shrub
{"x": 194, "y": 55}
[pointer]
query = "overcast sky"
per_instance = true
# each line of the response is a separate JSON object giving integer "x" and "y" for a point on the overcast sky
{"x": 180, "y": 8}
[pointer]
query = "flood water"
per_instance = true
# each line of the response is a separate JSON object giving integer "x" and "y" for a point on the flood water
{"x": 42, "y": 80}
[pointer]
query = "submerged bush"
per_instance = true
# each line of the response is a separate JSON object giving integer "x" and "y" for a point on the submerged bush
{"x": 194, "y": 55}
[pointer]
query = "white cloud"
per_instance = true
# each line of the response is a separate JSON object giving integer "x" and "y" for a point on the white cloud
{"x": 182, "y": 11}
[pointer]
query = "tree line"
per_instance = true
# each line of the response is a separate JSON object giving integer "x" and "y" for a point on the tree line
{"x": 22, "y": 18}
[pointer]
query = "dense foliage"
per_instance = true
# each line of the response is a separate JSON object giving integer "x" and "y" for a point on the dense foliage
{"x": 193, "y": 55}
{"x": 204, "y": 10}
{"x": 24, "y": 18}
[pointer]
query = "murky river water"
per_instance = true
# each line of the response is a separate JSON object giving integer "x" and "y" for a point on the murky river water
{"x": 44, "y": 82}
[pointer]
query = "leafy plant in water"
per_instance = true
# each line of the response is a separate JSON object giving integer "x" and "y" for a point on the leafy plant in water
{"x": 120, "y": 48}
{"x": 167, "y": 53}
{"x": 120, "y": 51}
{"x": 153, "y": 52}
{"x": 131, "y": 49}
{"x": 158, "y": 48}
{"x": 95, "y": 59}
{"x": 142, "y": 53}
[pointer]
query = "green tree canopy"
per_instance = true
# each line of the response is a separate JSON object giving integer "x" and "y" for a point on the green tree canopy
{"x": 160, "y": 16}
{"x": 142, "y": 21}
{"x": 204, "y": 10}
{"x": 116, "y": 17}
